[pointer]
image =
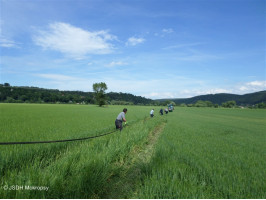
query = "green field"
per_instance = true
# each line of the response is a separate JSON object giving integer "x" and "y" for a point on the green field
{"x": 189, "y": 153}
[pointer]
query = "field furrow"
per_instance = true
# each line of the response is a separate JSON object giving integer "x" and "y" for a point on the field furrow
{"x": 123, "y": 183}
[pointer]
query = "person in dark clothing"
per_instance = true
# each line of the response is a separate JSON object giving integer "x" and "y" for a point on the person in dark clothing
{"x": 161, "y": 111}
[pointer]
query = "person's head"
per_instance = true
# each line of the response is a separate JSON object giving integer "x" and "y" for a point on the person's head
{"x": 125, "y": 110}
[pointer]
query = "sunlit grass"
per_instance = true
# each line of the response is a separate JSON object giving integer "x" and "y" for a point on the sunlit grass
{"x": 200, "y": 152}
{"x": 209, "y": 153}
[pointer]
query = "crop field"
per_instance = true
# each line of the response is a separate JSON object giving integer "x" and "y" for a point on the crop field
{"x": 188, "y": 153}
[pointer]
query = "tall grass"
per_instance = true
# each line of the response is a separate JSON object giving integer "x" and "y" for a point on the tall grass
{"x": 70, "y": 170}
{"x": 200, "y": 153}
{"x": 29, "y": 122}
{"x": 208, "y": 153}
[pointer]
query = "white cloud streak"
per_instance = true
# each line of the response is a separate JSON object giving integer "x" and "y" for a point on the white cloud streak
{"x": 169, "y": 30}
{"x": 73, "y": 41}
{"x": 164, "y": 32}
{"x": 7, "y": 43}
{"x": 257, "y": 83}
{"x": 57, "y": 77}
{"x": 116, "y": 63}
{"x": 133, "y": 41}
{"x": 252, "y": 86}
{"x": 183, "y": 45}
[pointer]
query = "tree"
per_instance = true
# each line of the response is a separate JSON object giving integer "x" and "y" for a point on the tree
{"x": 99, "y": 89}
{"x": 229, "y": 104}
{"x": 173, "y": 103}
{"x": 200, "y": 103}
{"x": 261, "y": 105}
{"x": 209, "y": 103}
{"x": 165, "y": 103}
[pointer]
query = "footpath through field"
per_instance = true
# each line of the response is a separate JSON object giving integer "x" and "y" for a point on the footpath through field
{"x": 123, "y": 184}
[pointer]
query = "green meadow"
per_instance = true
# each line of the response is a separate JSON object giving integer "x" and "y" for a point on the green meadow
{"x": 188, "y": 153}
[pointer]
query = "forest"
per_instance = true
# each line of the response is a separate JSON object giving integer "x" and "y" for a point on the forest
{"x": 15, "y": 94}
{"x": 25, "y": 94}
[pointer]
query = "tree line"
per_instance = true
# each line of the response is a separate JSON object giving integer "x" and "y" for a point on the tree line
{"x": 15, "y": 94}
{"x": 227, "y": 104}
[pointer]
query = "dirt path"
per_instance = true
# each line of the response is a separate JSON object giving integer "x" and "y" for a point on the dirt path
{"x": 123, "y": 184}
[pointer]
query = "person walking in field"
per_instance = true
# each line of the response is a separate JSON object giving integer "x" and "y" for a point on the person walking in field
{"x": 161, "y": 111}
{"x": 151, "y": 113}
{"x": 120, "y": 119}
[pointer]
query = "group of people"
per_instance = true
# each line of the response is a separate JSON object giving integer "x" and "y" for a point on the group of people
{"x": 122, "y": 117}
{"x": 161, "y": 112}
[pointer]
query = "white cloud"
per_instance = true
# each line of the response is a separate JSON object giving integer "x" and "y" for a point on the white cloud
{"x": 133, "y": 41}
{"x": 116, "y": 63}
{"x": 183, "y": 45}
{"x": 252, "y": 86}
{"x": 73, "y": 41}
{"x": 63, "y": 82}
{"x": 57, "y": 77}
{"x": 257, "y": 83}
{"x": 243, "y": 88}
{"x": 7, "y": 43}
{"x": 169, "y": 30}
{"x": 217, "y": 91}
{"x": 160, "y": 95}
{"x": 153, "y": 94}
{"x": 164, "y": 32}
{"x": 240, "y": 88}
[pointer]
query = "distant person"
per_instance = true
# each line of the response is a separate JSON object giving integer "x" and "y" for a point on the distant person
{"x": 161, "y": 111}
{"x": 166, "y": 111}
{"x": 151, "y": 113}
{"x": 120, "y": 119}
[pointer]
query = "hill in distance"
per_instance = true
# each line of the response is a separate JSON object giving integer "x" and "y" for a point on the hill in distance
{"x": 246, "y": 99}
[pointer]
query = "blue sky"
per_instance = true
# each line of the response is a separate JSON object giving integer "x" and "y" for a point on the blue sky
{"x": 151, "y": 48}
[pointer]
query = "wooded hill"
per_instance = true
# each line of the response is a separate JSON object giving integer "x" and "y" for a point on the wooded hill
{"x": 15, "y": 94}
{"x": 246, "y": 99}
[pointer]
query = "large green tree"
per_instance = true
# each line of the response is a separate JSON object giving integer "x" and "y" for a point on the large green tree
{"x": 99, "y": 89}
